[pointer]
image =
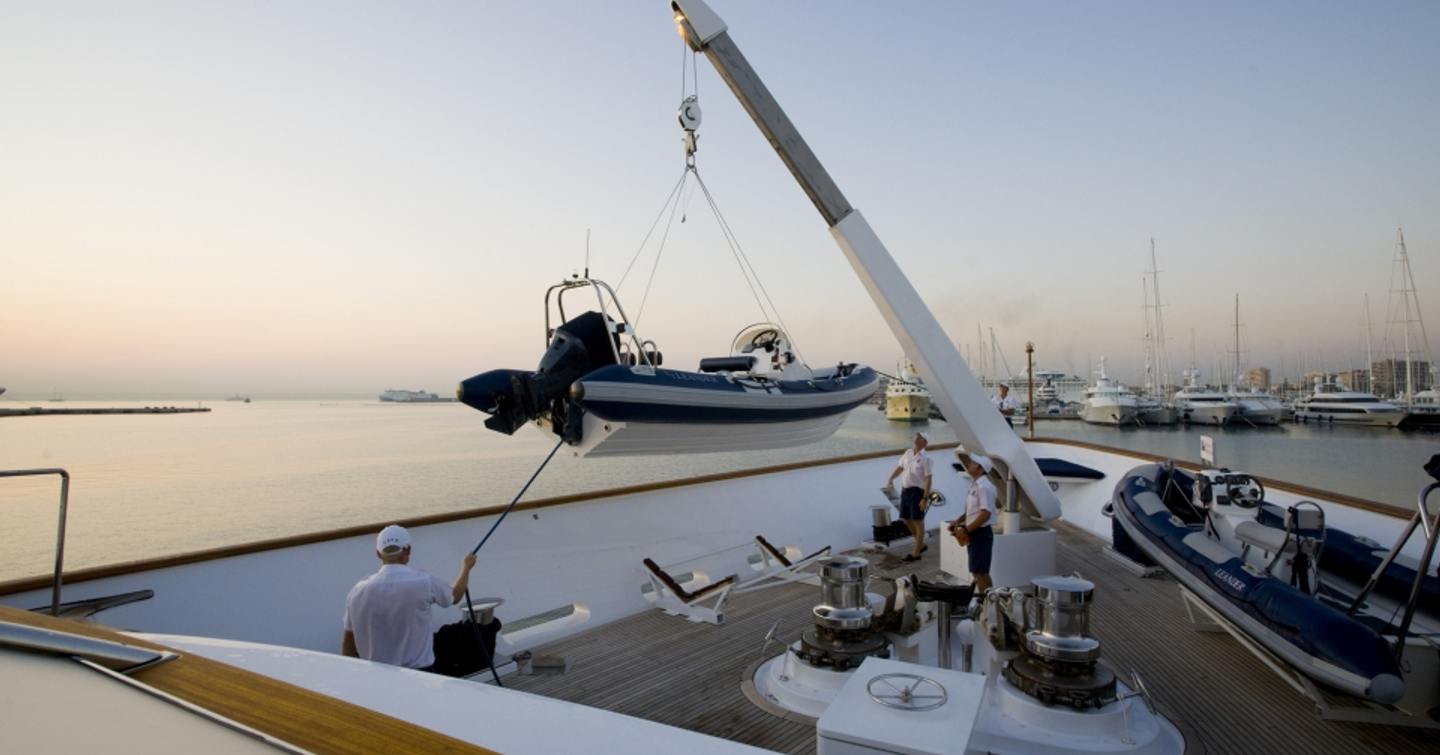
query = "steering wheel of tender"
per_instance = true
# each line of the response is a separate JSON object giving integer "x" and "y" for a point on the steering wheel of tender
{"x": 764, "y": 340}
{"x": 1244, "y": 491}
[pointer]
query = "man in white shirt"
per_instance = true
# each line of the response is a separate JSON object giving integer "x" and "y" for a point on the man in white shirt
{"x": 974, "y": 531}
{"x": 1006, "y": 404}
{"x": 914, "y": 473}
{"x": 387, "y": 614}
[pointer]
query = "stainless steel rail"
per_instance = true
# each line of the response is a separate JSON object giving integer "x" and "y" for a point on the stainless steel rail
{"x": 60, "y": 530}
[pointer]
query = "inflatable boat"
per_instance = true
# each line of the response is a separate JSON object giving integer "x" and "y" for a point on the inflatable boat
{"x": 1155, "y": 507}
{"x": 602, "y": 390}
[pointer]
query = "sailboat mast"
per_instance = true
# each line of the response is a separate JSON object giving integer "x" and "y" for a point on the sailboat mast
{"x": 1369, "y": 357}
{"x": 1237, "y": 339}
{"x": 1162, "y": 357}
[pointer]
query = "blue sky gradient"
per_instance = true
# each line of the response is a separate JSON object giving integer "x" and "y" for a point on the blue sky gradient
{"x": 346, "y": 196}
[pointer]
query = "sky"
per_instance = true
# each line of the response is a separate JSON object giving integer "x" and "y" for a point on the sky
{"x": 342, "y": 197}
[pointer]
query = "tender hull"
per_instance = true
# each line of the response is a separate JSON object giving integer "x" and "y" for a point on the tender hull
{"x": 623, "y": 394}
{"x": 602, "y": 438}
{"x": 632, "y": 412}
{"x": 1316, "y": 639}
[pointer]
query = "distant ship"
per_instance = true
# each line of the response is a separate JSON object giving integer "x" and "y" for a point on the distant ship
{"x": 238, "y": 397}
{"x": 907, "y": 399}
{"x": 2, "y": 390}
{"x": 413, "y": 397}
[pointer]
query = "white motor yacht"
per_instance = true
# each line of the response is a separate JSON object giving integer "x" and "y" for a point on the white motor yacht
{"x": 1333, "y": 402}
{"x": 1199, "y": 405}
{"x": 906, "y": 399}
{"x": 1152, "y": 411}
{"x": 1109, "y": 403}
{"x": 1257, "y": 407}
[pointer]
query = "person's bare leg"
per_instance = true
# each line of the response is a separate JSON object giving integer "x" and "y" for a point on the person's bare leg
{"x": 982, "y": 583}
{"x": 917, "y": 529}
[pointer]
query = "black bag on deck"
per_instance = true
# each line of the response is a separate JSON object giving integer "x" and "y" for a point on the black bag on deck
{"x": 458, "y": 651}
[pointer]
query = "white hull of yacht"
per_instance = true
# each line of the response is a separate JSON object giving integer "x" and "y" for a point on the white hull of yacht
{"x": 1347, "y": 416}
{"x": 1207, "y": 414}
{"x": 1157, "y": 415}
{"x": 908, "y": 407}
{"x": 1108, "y": 414}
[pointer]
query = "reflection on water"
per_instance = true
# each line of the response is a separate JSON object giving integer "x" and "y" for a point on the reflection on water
{"x": 150, "y": 485}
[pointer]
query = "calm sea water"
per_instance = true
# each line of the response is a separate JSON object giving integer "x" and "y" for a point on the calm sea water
{"x": 148, "y": 485}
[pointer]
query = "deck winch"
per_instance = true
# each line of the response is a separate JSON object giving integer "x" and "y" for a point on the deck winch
{"x": 844, "y": 634}
{"x": 1058, "y": 659}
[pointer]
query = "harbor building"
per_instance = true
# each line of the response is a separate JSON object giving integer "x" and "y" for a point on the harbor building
{"x": 1390, "y": 377}
{"x": 1258, "y": 377}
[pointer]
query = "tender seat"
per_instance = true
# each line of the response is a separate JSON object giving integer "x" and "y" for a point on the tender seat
{"x": 727, "y": 364}
{"x": 1268, "y": 539}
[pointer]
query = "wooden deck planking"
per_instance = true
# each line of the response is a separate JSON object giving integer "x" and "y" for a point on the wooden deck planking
{"x": 666, "y": 669}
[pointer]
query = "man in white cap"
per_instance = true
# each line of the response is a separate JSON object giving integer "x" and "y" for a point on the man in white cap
{"x": 387, "y": 614}
{"x": 974, "y": 530}
{"x": 1006, "y": 404}
{"x": 915, "y": 477}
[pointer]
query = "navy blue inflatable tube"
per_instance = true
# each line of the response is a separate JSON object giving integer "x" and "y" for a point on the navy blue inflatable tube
{"x": 1347, "y": 557}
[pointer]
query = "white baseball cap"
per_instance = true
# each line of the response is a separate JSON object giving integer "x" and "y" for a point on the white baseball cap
{"x": 923, "y": 434}
{"x": 392, "y": 540}
{"x": 983, "y": 461}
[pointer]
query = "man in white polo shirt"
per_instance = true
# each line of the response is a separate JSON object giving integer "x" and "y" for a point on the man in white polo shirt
{"x": 387, "y": 614}
{"x": 974, "y": 531}
{"x": 1006, "y": 404}
{"x": 914, "y": 471}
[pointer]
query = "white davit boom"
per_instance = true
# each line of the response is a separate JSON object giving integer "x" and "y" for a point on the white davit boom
{"x": 959, "y": 395}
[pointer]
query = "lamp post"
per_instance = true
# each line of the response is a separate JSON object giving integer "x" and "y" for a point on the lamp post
{"x": 1030, "y": 385}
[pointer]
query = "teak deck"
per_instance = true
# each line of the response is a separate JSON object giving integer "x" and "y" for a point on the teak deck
{"x": 669, "y": 670}
{"x": 300, "y": 717}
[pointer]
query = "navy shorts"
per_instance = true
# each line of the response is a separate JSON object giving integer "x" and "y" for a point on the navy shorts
{"x": 982, "y": 543}
{"x": 910, "y": 504}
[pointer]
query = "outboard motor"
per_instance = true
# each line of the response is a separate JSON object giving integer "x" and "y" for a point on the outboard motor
{"x": 514, "y": 397}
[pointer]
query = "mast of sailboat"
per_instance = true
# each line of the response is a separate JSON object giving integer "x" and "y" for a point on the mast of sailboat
{"x": 1162, "y": 357}
{"x": 959, "y": 394}
{"x": 1369, "y": 356}
{"x": 1237, "y": 340}
{"x": 1149, "y": 336}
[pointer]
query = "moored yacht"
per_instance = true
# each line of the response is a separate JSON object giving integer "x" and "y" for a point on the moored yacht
{"x": 906, "y": 399}
{"x": 1109, "y": 403}
{"x": 1199, "y": 405}
{"x": 1257, "y": 407}
{"x": 1333, "y": 402}
{"x": 1152, "y": 411}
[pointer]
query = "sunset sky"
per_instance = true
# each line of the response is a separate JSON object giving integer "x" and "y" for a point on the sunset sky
{"x": 333, "y": 197}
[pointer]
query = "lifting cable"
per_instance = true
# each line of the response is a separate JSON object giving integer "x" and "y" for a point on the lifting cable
{"x": 677, "y": 201}
{"x": 470, "y": 608}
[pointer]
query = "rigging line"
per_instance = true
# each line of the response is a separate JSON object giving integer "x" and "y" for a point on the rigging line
{"x": 469, "y": 607}
{"x": 660, "y": 251}
{"x": 764, "y": 315}
{"x": 648, "y": 233}
{"x": 735, "y": 242}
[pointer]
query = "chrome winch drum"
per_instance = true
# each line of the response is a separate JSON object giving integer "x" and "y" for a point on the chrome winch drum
{"x": 842, "y": 636}
{"x": 1061, "y": 606}
{"x": 1058, "y": 665}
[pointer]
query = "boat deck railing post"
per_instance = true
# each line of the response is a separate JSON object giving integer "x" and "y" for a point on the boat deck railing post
{"x": 60, "y": 529}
